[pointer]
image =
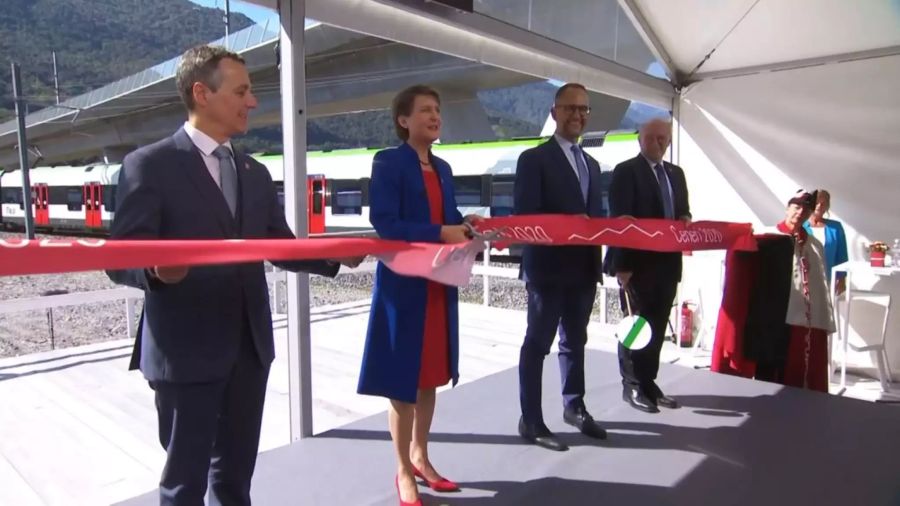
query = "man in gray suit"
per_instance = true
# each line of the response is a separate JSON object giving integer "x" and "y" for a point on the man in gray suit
{"x": 205, "y": 341}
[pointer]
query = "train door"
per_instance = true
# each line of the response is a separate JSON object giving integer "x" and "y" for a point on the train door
{"x": 93, "y": 199}
{"x": 40, "y": 195}
{"x": 315, "y": 195}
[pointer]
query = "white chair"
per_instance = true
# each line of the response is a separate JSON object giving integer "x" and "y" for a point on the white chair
{"x": 877, "y": 348}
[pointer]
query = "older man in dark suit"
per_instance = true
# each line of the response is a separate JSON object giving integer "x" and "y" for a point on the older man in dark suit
{"x": 647, "y": 186}
{"x": 558, "y": 177}
{"x": 205, "y": 342}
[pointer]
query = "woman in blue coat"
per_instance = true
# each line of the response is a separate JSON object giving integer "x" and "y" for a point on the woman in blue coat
{"x": 831, "y": 234}
{"x": 412, "y": 344}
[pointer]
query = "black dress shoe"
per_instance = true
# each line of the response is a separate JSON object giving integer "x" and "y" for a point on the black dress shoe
{"x": 540, "y": 435}
{"x": 583, "y": 421}
{"x": 666, "y": 401}
{"x": 638, "y": 400}
{"x": 661, "y": 398}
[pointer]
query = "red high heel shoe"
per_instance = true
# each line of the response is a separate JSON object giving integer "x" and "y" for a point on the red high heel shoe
{"x": 441, "y": 485}
{"x": 417, "y": 502}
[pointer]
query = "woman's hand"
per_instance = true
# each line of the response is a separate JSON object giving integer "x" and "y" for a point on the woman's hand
{"x": 454, "y": 233}
{"x": 473, "y": 219}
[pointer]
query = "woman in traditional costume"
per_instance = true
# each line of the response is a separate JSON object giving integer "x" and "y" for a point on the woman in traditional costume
{"x": 809, "y": 313}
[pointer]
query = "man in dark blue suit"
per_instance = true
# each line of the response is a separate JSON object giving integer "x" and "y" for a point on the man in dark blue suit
{"x": 205, "y": 341}
{"x": 646, "y": 186}
{"x": 558, "y": 177}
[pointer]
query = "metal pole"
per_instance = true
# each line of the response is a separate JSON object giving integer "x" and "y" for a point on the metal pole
{"x": 227, "y": 21}
{"x": 293, "y": 124}
{"x": 50, "y": 322}
{"x": 129, "y": 318}
{"x": 486, "y": 279}
{"x": 23, "y": 151}
{"x": 55, "y": 78}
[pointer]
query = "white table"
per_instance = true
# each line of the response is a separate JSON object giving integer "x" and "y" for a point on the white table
{"x": 843, "y": 327}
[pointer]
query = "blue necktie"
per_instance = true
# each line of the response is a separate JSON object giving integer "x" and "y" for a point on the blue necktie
{"x": 227, "y": 176}
{"x": 664, "y": 191}
{"x": 583, "y": 177}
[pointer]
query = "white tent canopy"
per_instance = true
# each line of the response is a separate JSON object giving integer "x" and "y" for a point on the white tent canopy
{"x": 745, "y": 35}
{"x": 768, "y": 96}
{"x": 781, "y": 94}
{"x": 776, "y": 94}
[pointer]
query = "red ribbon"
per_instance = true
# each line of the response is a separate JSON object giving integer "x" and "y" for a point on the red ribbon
{"x": 646, "y": 234}
{"x": 450, "y": 264}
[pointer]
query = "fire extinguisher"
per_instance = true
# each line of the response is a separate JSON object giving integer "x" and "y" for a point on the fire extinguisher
{"x": 686, "y": 339}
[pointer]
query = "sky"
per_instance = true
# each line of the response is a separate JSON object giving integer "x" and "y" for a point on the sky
{"x": 254, "y": 12}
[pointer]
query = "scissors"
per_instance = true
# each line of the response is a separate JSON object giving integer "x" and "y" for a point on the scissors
{"x": 488, "y": 237}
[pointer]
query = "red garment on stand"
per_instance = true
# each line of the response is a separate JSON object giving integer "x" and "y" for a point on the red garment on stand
{"x": 435, "y": 368}
{"x": 817, "y": 373}
{"x": 728, "y": 348}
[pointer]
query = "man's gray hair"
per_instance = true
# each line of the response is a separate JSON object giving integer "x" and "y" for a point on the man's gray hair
{"x": 200, "y": 65}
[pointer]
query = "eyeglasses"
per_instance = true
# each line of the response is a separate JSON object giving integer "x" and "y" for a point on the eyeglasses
{"x": 572, "y": 109}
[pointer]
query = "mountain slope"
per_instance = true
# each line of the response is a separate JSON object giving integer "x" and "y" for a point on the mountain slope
{"x": 96, "y": 41}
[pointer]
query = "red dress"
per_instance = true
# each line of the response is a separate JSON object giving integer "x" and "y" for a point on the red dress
{"x": 435, "y": 369}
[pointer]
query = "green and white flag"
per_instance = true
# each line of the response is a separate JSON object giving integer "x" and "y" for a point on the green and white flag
{"x": 634, "y": 332}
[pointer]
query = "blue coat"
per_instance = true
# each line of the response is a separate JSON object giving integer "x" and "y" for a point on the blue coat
{"x": 399, "y": 210}
{"x": 835, "y": 245}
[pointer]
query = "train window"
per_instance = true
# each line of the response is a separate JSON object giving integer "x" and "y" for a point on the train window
{"x": 74, "y": 199}
{"x": 12, "y": 196}
{"x": 502, "y": 196}
{"x": 109, "y": 198}
{"x": 346, "y": 196}
{"x": 468, "y": 190}
{"x": 318, "y": 197}
{"x": 346, "y": 202}
{"x": 57, "y": 194}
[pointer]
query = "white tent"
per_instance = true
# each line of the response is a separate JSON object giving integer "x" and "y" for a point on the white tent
{"x": 769, "y": 96}
{"x": 775, "y": 95}
{"x": 782, "y": 94}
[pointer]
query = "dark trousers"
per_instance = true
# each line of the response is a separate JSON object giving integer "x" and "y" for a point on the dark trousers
{"x": 210, "y": 432}
{"x": 651, "y": 298}
{"x": 552, "y": 307}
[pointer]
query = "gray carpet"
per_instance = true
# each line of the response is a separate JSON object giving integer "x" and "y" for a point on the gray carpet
{"x": 734, "y": 442}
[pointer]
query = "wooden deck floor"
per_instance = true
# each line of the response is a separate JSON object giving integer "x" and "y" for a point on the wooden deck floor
{"x": 79, "y": 428}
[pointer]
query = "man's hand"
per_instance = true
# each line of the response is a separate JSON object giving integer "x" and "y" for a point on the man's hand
{"x": 686, "y": 220}
{"x": 623, "y": 277}
{"x": 351, "y": 262}
{"x": 472, "y": 219}
{"x": 170, "y": 275}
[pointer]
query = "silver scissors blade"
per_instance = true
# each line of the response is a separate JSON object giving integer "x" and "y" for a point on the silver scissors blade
{"x": 490, "y": 236}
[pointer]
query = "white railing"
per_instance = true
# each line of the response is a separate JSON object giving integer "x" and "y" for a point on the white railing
{"x": 488, "y": 271}
{"x": 49, "y": 302}
{"x": 132, "y": 295}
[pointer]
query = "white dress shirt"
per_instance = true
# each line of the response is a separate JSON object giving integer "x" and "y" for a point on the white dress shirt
{"x": 206, "y": 145}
